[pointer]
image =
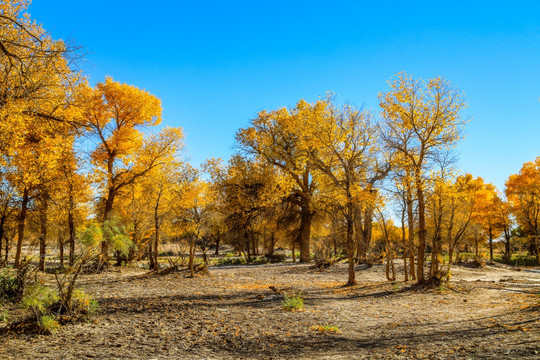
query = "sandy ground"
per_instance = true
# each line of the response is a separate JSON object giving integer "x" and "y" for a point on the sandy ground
{"x": 491, "y": 312}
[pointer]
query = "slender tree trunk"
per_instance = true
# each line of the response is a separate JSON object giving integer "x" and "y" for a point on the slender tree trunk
{"x": 107, "y": 214}
{"x": 71, "y": 227}
{"x": 359, "y": 227}
{"x": 191, "y": 255}
{"x": 294, "y": 251}
{"x": 368, "y": 229}
{"x": 305, "y": 234}
{"x": 536, "y": 243}
{"x": 218, "y": 240}
{"x": 6, "y": 252}
{"x": 404, "y": 242}
{"x": 350, "y": 243}
{"x": 410, "y": 223}
{"x": 155, "y": 254}
{"x": 61, "y": 248}
{"x": 272, "y": 244}
{"x": 43, "y": 231}
{"x": 490, "y": 233}
{"x": 2, "y": 232}
{"x": 421, "y": 230}
{"x": 507, "y": 243}
{"x": 20, "y": 226}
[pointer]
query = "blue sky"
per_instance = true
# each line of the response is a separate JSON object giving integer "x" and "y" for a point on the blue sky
{"x": 215, "y": 64}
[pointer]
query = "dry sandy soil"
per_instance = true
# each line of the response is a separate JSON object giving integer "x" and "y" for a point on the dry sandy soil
{"x": 486, "y": 313}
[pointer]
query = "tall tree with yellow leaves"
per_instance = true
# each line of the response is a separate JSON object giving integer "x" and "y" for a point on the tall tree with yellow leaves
{"x": 421, "y": 120}
{"x": 277, "y": 137}
{"x": 343, "y": 148}
{"x": 523, "y": 193}
{"x": 115, "y": 114}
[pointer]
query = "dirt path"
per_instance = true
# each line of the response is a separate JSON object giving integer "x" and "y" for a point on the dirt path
{"x": 491, "y": 312}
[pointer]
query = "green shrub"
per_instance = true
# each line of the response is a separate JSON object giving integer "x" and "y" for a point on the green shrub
{"x": 276, "y": 258}
{"x": 8, "y": 285}
{"x": 48, "y": 324}
{"x": 84, "y": 303}
{"x": 4, "y": 317}
{"x": 295, "y": 302}
{"x": 517, "y": 259}
{"x": 261, "y": 260}
{"x": 14, "y": 282}
{"x": 38, "y": 299}
{"x": 231, "y": 261}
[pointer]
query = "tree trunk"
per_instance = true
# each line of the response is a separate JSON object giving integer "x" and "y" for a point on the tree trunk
{"x": 272, "y": 245}
{"x": 20, "y": 226}
{"x": 6, "y": 252}
{"x": 154, "y": 262}
{"x": 43, "y": 231}
{"x": 490, "y": 243}
{"x": 536, "y": 243}
{"x": 366, "y": 236}
{"x": 191, "y": 255}
{"x": 107, "y": 214}
{"x": 350, "y": 245}
{"x": 61, "y": 248}
{"x": 2, "y": 232}
{"x": 404, "y": 242}
{"x": 71, "y": 227}
{"x": 421, "y": 230}
{"x": 359, "y": 227}
{"x": 294, "y": 251}
{"x": 218, "y": 240}
{"x": 507, "y": 244}
{"x": 305, "y": 234}
{"x": 410, "y": 223}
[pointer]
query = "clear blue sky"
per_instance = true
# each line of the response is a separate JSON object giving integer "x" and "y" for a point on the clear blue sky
{"x": 215, "y": 64}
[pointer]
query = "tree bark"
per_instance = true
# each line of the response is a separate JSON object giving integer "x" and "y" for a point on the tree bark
{"x": 43, "y": 231}
{"x": 410, "y": 223}
{"x": 350, "y": 244}
{"x": 20, "y": 226}
{"x": 305, "y": 234}
{"x": 421, "y": 229}
{"x": 191, "y": 255}
{"x": 71, "y": 227}
{"x": 2, "y": 232}
{"x": 490, "y": 233}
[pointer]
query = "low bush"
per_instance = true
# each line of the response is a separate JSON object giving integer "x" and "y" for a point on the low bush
{"x": 231, "y": 261}
{"x": 517, "y": 260}
{"x": 294, "y": 302}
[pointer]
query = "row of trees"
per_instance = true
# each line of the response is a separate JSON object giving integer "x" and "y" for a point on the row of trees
{"x": 360, "y": 183}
